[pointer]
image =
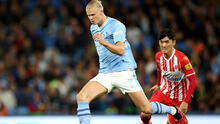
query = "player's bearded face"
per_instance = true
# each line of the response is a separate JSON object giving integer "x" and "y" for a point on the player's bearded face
{"x": 166, "y": 45}
{"x": 94, "y": 15}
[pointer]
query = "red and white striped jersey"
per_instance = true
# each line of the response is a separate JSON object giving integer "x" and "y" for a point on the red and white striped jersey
{"x": 178, "y": 62}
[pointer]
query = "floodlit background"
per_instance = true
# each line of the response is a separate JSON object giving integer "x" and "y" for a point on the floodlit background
{"x": 47, "y": 54}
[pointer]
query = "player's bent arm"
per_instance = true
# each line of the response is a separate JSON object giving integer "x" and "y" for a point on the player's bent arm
{"x": 192, "y": 86}
{"x": 191, "y": 76}
{"x": 118, "y": 48}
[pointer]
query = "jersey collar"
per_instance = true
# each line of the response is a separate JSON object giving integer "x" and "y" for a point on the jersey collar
{"x": 174, "y": 50}
{"x": 103, "y": 25}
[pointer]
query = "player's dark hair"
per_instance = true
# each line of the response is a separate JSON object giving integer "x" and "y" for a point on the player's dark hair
{"x": 166, "y": 33}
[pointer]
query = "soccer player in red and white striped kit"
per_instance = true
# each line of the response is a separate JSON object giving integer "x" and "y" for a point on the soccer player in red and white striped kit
{"x": 176, "y": 79}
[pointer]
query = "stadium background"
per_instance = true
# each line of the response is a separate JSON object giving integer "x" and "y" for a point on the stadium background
{"x": 47, "y": 54}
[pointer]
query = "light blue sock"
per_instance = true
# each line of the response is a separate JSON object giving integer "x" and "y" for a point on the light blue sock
{"x": 158, "y": 108}
{"x": 83, "y": 112}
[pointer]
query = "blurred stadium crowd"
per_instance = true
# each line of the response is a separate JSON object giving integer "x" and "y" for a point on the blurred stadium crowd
{"x": 47, "y": 54}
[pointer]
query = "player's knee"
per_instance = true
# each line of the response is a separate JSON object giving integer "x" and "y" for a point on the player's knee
{"x": 147, "y": 109}
{"x": 145, "y": 116}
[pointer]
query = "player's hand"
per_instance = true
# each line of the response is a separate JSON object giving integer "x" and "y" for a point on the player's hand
{"x": 99, "y": 37}
{"x": 155, "y": 88}
{"x": 184, "y": 107}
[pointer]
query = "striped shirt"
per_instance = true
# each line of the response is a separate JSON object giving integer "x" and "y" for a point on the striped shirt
{"x": 176, "y": 85}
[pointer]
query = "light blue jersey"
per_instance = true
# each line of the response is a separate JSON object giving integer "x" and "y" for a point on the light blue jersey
{"x": 113, "y": 31}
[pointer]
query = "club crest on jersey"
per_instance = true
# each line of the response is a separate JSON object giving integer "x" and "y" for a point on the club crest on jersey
{"x": 188, "y": 66}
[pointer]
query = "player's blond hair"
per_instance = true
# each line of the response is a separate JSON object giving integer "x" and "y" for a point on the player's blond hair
{"x": 94, "y": 4}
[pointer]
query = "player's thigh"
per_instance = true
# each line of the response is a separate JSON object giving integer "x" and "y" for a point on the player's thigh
{"x": 126, "y": 81}
{"x": 141, "y": 101}
{"x": 90, "y": 91}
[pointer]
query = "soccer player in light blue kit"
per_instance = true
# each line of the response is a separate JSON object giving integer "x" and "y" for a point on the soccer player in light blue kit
{"x": 117, "y": 67}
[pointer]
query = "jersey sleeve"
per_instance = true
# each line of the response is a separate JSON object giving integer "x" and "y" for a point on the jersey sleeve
{"x": 158, "y": 69}
{"x": 119, "y": 33}
{"x": 192, "y": 86}
{"x": 187, "y": 67}
{"x": 190, "y": 75}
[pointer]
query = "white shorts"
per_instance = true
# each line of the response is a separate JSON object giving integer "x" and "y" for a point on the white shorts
{"x": 126, "y": 81}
